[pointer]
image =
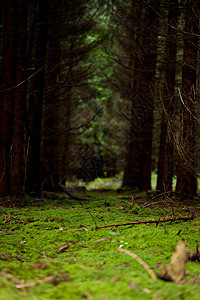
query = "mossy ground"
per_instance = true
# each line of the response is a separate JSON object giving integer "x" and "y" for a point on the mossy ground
{"x": 91, "y": 267}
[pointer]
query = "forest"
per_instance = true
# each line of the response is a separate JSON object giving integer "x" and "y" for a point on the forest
{"x": 99, "y": 149}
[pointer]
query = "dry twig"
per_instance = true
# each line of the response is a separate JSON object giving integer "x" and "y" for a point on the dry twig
{"x": 146, "y": 267}
{"x": 157, "y": 221}
{"x": 32, "y": 283}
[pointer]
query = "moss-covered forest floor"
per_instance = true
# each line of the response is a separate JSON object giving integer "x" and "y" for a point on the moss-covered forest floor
{"x": 52, "y": 249}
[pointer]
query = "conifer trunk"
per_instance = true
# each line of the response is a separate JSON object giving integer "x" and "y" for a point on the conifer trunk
{"x": 36, "y": 99}
{"x": 186, "y": 177}
{"x": 8, "y": 67}
{"x": 139, "y": 158}
{"x": 165, "y": 162}
{"x": 17, "y": 169}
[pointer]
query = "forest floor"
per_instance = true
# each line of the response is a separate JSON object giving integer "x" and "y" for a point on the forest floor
{"x": 58, "y": 250}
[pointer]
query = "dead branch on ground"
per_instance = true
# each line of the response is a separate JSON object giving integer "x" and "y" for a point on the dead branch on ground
{"x": 157, "y": 221}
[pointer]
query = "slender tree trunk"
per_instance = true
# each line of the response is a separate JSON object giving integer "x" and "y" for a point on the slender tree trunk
{"x": 165, "y": 163}
{"x": 36, "y": 99}
{"x": 186, "y": 177}
{"x": 1, "y": 26}
{"x": 65, "y": 112}
{"x": 17, "y": 171}
{"x": 138, "y": 168}
{"x": 50, "y": 152}
{"x": 8, "y": 68}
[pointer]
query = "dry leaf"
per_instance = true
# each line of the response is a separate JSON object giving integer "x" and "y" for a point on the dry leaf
{"x": 87, "y": 295}
{"x": 134, "y": 286}
{"x": 101, "y": 264}
{"x": 175, "y": 271}
{"x": 127, "y": 264}
{"x": 63, "y": 248}
{"x": 148, "y": 291}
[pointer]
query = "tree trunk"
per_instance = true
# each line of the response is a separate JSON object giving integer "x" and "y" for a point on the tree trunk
{"x": 66, "y": 51}
{"x": 165, "y": 163}
{"x": 36, "y": 99}
{"x": 8, "y": 68}
{"x": 1, "y": 25}
{"x": 138, "y": 167}
{"x": 17, "y": 170}
{"x": 186, "y": 177}
{"x": 50, "y": 152}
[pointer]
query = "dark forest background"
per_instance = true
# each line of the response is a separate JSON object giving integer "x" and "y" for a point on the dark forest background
{"x": 97, "y": 88}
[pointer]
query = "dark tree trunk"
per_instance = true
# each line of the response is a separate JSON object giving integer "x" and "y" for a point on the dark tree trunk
{"x": 186, "y": 177}
{"x": 66, "y": 51}
{"x": 165, "y": 163}
{"x": 138, "y": 167}
{"x": 17, "y": 170}
{"x": 36, "y": 99}
{"x": 1, "y": 26}
{"x": 8, "y": 68}
{"x": 50, "y": 152}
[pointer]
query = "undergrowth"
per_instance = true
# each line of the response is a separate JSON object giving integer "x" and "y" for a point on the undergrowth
{"x": 33, "y": 265}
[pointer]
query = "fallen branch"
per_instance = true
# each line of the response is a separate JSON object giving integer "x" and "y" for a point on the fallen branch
{"x": 32, "y": 283}
{"x": 192, "y": 229}
{"x": 9, "y": 276}
{"x": 146, "y": 267}
{"x": 157, "y": 221}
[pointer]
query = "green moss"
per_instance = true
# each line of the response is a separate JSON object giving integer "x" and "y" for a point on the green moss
{"x": 91, "y": 265}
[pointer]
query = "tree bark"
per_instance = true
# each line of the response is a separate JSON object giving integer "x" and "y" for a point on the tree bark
{"x": 8, "y": 68}
{"x": 36, "y": 98}
{"x": 186, "y": 177}
{"x": 66, "y": 51}
{"x": 50, "y": 152}
{"x": 165, "y": 163}
{"x": 139, "y": 160}
{"x": 17, "y": 170}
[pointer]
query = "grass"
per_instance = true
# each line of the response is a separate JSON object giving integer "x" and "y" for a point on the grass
{"x": 91, "y": 267}
{"x": 116, "y": 182}
{"x": 104, "y": 183}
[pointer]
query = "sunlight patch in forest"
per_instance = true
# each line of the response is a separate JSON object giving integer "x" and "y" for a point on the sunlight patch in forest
{"x": 104, "y": 183}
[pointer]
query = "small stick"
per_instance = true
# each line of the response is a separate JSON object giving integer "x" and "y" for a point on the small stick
{"x": 32, "y": 283}
{"x": 157, "y": 221}
{"x": 147, "y": 268}
{"x": 193, "y": 229}
{"x": 10, "y": 277}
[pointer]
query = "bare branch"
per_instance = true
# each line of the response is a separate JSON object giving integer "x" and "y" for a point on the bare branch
{"x": 157, "y": 221}
{"x": 71, "y": 129}
{"x": 22, "y": 82}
